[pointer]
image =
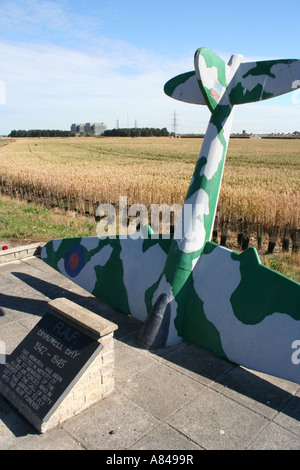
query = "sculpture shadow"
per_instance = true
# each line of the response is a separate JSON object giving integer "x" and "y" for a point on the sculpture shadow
{"x": 52, "y": 291}
{"x": 236, "y": 382}
{"x": 33, "y": 306}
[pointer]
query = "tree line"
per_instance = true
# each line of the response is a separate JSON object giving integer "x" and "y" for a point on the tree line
{"x": 123, "y": 132}
{"x": 137, "y": 132}
{"x": 41, "y": 133}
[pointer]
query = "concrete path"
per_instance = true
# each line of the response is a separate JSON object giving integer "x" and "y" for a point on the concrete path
{"x": 181, "y": 398}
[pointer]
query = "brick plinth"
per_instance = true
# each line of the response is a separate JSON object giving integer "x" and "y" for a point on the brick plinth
{"x": 92, "y": 381}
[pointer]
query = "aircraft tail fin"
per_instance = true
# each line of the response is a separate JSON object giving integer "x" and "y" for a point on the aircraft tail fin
{"x": 214, "y": 75}
{"x": 208, "y": 83}
{"x": 213, "y": 82}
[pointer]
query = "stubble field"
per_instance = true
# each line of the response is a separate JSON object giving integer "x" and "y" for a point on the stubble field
{"x": 260, "y": 182}
{"x": 260, "y": 186}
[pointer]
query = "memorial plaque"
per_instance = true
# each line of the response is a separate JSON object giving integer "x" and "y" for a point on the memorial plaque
{"x": 46, "y": 364}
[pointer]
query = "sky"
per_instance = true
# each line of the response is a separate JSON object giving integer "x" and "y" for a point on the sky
{"x": 64, "y": 62}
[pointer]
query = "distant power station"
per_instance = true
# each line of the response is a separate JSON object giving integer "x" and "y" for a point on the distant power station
{"x": 95, "y": 128}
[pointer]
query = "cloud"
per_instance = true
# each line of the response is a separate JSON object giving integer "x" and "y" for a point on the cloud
{"x": 48, "y": 78}
{"x": 50, "y": 86}
{"x": 42, "y": 18}
{"x": 59, "y": 68}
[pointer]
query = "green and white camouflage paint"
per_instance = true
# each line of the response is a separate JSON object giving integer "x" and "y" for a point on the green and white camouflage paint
{"x": 186, "y": 287}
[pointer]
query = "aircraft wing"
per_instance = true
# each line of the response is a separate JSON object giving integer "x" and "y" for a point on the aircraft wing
{"x": 185, "y": 88}
{"x": 117, "y": 271}
{"x": 255, "y": 81}
{"x": 231, "y": 304}
{"x": 244, "y": 312}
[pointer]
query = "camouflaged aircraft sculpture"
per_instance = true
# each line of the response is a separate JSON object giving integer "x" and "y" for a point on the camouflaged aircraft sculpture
{"x": 186, "y": 287}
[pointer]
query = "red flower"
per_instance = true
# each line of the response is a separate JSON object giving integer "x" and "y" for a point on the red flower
{"x": 5, "y": 247}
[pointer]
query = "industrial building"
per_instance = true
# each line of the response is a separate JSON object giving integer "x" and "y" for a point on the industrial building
{"x": 95, "y": 128}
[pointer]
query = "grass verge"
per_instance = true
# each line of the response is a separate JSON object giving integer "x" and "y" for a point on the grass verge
{"x": 21, "y": 224}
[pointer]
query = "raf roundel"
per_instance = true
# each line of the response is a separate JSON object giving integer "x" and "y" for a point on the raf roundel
{"x": 74, "y": 260}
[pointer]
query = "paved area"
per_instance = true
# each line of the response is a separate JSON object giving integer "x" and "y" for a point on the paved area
{"x": 181, "y": 398}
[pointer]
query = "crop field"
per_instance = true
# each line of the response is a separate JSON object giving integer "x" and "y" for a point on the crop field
{"x": 260, "y": 182}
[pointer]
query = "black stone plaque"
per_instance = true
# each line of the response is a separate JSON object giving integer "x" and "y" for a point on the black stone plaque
{"x": 46, "y": 365}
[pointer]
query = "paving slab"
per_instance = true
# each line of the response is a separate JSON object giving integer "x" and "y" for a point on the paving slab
{"x": 180, "y": 398}
{"x": 166, "y": 437}
{"x": 160, "y": 390}
{"x": 259, "y": 392}
{"x": 116, "y": 423}
{"x": 275, "y": 437}
{"x": 214, "y": 422}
